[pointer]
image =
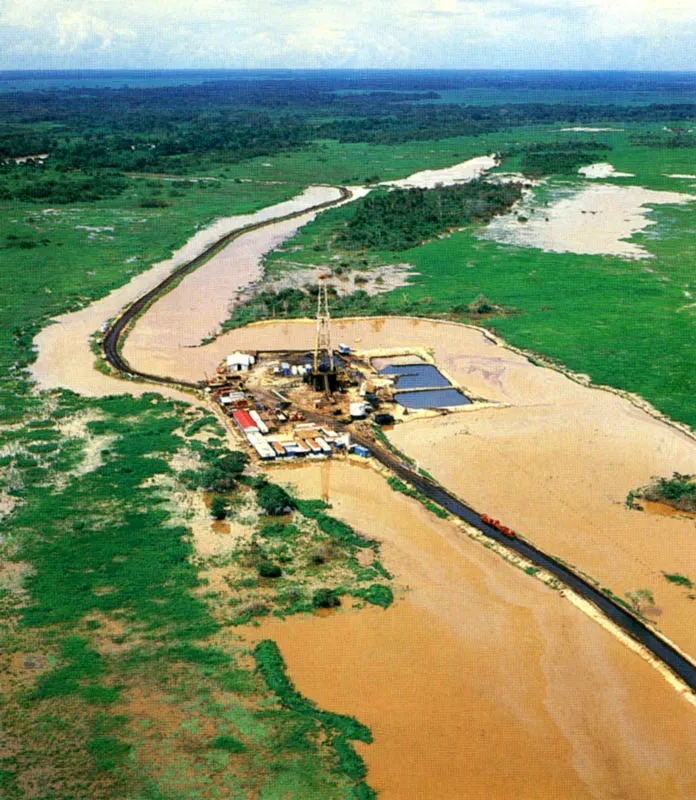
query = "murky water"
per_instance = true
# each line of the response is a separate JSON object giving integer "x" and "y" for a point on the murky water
{"x": 480, "y": 682}
{"x": 437, "y": 398}
{"x": 416, "y": 376}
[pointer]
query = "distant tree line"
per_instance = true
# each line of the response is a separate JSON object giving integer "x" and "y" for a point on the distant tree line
{"x": 149, "y": 129}
{"x": 671, "y": 142}
{"x": 552, "y": 158}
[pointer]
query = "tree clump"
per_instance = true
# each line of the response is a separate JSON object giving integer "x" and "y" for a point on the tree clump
{"x": 679, "y": 491}
{"x": 402, "y": 218}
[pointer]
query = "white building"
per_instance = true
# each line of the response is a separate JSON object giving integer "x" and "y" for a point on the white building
{"x": 240, "y": 362}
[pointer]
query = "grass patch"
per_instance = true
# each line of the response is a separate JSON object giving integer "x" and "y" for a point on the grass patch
{"x": 679, "y": 580}
{"x": 403, "y": 488}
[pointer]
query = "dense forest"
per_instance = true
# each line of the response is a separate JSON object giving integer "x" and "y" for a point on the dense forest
{"x": 538, "y": 159}
{"x": 155, "y": 128}
{"x": 402, "y": 218}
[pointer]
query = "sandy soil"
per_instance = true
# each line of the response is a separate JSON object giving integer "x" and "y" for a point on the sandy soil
{"x": 429, "y": 178}
{"x": 597, "y": 220}
{"x": 481, "y": 682}
{"x": 685, "y": 176}
{"x": 65, "y": 358}
{"x": 376, "y": 280}
{"x": 603, "y": 170}
{"x": 512, "y": 177}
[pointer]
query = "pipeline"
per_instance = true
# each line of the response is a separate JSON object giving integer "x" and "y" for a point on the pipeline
{"x": 665, "y": 652}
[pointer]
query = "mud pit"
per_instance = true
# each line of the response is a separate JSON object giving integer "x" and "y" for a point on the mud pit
{"x": 480, "y": 682}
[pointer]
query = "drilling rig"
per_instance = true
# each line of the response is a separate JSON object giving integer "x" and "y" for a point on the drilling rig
{"x": 324, "y": 375}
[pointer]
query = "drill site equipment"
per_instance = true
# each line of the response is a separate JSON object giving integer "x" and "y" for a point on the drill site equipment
{"x": 324, "y": 377}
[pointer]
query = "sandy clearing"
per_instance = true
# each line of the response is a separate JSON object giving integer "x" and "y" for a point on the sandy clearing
{"x": 512, "y": 177}
{"x": 603, "y": 170}
{"x": 596, "y": 220}
{"x": 376, "y": 280}
{"x": 64, "y": 355}
{"x": 685, "y": 176}
{"x": 480, "y": 677}
{"x": 429, "y": 178}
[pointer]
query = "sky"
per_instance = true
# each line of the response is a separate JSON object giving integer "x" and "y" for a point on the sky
{"x": 361, "y": 34}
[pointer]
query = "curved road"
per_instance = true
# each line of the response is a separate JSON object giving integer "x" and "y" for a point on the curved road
{"x": 628, "y": 622}
{"x": 112, "y": 337}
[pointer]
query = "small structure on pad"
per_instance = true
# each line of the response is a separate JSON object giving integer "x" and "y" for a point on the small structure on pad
{"x": 239, "y": 362}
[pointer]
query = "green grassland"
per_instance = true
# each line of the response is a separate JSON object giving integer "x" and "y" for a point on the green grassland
{"x": 626, "y": 323}
{"x": 108, "y": 624}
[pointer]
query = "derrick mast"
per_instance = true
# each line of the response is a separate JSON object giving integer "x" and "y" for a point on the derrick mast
{"x": 322, "y": 347}
{"x": 324, "y": 375}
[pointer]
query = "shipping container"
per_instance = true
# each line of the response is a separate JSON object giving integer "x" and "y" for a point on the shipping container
{"x": 260, "y": 424}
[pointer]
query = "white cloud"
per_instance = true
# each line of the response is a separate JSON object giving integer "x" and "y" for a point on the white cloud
{"x": 76, "y": 28}
{"x": 358, "y": 33}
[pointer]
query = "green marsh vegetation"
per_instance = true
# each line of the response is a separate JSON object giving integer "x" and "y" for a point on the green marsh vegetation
{"x": 294, "y": 557}
{"x": 113, "y": 626}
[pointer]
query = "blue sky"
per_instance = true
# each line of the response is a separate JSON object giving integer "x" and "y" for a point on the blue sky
{"x": 474, "y": 34}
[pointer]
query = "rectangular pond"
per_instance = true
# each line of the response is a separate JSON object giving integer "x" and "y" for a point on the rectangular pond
{"x": 435, "y": 398}
{"x": 416, "y": 376}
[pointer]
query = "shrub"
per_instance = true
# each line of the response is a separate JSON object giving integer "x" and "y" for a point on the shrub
{"x": 481, "y": 305}
{"x": 678, "y": 491}
{"x": 218, "y": 507}
{"x": 325, "y": 598}
{"x": 229, "y": 743}
{"x": 278, "y": 530}
{"x": 350, "y": 762}
{"x": 273, "y": 499}
{"x": 680, "y": 580}
{"x": 267, "y": 569}
{"x": 377, "y": 594}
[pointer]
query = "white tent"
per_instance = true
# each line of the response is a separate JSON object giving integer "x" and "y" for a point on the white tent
{"x": 240, "y": 362}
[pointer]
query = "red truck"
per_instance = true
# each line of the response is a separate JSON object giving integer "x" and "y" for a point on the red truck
{"x": 495, "y": 523}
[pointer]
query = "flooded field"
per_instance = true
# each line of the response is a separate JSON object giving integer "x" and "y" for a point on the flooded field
{"x": 480, "y": 682}
{"x": 554, "y": 464}
{"x": 596, "y": 220}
